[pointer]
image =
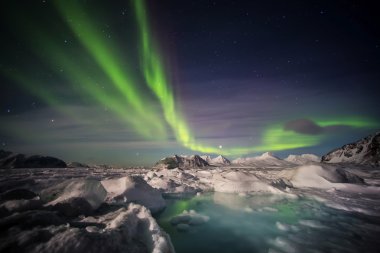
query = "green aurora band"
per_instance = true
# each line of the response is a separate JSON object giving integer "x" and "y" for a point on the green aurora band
{"x": 103, "y": 53}
{"x": 274, "y": 137}
{"x": 127, "y": 100}
{"x": 129, "y": 105}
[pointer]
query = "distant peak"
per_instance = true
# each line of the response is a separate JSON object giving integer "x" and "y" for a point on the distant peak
{"x": 303, "y": 159}
{"x": 267, "y": 155}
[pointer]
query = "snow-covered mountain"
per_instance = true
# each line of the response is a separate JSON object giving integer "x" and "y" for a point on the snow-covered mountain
{"x": 364, "y": 151}
{"x": 265, "y": 160}
{"x": 303, "y": 159}
{"x": 182, "y": 161}
{"x": 219, "y": 160}
{"x": 207, "y": 158}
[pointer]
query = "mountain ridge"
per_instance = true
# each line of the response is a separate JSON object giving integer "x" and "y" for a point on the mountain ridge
{"x": 363, "y": 151}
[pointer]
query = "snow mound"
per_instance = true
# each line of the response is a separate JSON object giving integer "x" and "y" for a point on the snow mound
{"x": 303, "y": 159}
{"x": 130, "y": 229}
{"x": 73, "y": 207}
{"x": 163, "y": 184}
{"x": 134, "y": 189}
{"x": 317, "y": 176}
{"x": 139, "y": 223}
{"x": 88, "y": 189}
{"x": 308, "y": 176}
{"x": 240, "y": 181}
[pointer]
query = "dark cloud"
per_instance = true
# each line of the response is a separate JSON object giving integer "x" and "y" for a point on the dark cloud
{"x": 304, "y": 126}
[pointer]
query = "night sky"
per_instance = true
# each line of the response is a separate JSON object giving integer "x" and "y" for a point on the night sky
{"x": 129, "y": 82}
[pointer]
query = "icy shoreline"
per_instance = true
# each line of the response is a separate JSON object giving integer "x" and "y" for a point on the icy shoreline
{"x": 84, "y": 204}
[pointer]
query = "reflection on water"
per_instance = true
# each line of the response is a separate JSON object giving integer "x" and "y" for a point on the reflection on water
{"x": 267, "y": 223}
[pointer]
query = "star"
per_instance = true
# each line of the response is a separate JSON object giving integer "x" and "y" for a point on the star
{"x": 234, "y": 76}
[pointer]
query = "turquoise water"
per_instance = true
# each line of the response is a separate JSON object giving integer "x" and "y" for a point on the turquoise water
{"x": 269, "y": 223}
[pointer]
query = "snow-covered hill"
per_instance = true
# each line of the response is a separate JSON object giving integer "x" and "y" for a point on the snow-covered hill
{"x": 265, "y": 160}
{"x": 364, "y": 151}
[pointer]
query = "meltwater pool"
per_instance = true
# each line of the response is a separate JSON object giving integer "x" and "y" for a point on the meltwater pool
{"x": 226, "y": 223}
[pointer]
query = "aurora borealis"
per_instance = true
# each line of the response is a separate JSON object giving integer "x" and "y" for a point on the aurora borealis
{"x": 132, "y": 81}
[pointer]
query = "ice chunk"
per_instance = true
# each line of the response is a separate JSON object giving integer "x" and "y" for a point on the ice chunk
{"x": 282, "y": 226}
{"x": 88, "y": 189}
{"x": 312, "y": 224}
{"x": 134, "y": 189}
{"x": 183, "y": 227}
{"x": 189, "y": 217}
{"x": 284, "y": 244}
{"x": 130, "y": 229}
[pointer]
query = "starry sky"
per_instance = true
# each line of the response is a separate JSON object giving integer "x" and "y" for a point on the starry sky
{"x": 129, "y": 82}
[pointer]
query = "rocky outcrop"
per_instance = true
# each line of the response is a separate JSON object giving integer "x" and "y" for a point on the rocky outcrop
{"x": 364, "y": 151}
